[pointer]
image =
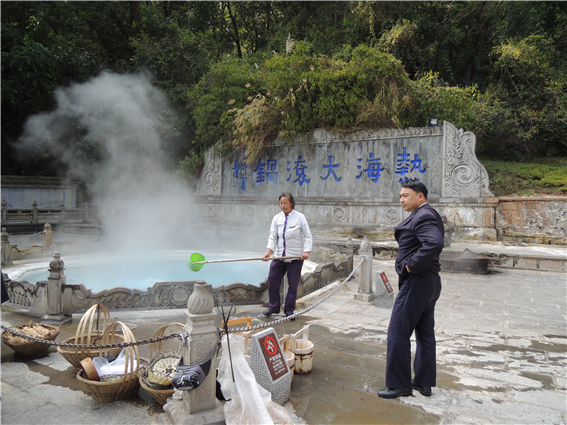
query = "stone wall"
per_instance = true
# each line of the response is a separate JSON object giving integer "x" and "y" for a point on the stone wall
{"x": 350, "y": 184}
{"x": 46, "y": 192}
{"x": 532, "y": 220}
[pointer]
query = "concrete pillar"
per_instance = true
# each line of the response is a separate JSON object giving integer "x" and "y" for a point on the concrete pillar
{"x": 365, "y": 292}
{"x": 47, "y": 235}
{"x": 62, "y": 212}
{"x": 4, "y": 211}
{"x": 54, "y": 314}
{"x": 5, "y": 247}
{"x": 34, "y": 211}
{"x": 199, "y": 406}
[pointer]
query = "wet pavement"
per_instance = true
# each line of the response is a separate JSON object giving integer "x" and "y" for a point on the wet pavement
{"x": 501, "y": 344}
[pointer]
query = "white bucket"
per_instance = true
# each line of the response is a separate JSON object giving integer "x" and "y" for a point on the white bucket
{"x": 303, "y": 350}
{"x": 288, "y": 353}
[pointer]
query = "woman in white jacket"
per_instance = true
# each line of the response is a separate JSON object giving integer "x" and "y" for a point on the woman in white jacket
{"x": 289, "y": 236}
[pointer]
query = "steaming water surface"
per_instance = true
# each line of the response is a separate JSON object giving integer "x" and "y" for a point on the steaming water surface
{"x": 142, "y": 271}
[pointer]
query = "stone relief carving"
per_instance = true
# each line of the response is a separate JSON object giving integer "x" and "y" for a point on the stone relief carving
{"x": 210, "y": 181}
{"x": 392, "y": 215}
{"x": 464, "y": 175}
{"x": 339, "y": 214}
{"x": 202, "y": 350}
{"x": 241, "y": 293}
{"x": 27, "y": 295}
{"x": 323, "y": 213}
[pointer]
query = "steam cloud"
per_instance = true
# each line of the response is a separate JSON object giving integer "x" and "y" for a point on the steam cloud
{"x": 142, "y": 203}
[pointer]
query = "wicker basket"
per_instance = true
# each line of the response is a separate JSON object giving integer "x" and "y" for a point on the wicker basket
{"x": 85, "y": 336}
{"x": 128, "y": 386}
{"x": 160, "y": 394}
{"x": 27, "y": 347}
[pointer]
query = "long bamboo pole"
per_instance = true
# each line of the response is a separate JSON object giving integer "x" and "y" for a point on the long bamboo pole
{"x": 245, "y": 259}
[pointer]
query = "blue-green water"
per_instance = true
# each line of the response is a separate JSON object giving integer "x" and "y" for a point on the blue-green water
{"x": 141, "y": 271}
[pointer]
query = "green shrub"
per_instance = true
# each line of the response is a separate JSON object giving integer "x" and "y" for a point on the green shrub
{"x": 454, "y": 104}
{"x": 523, "y": 111}
{"x": 301, "y": 92}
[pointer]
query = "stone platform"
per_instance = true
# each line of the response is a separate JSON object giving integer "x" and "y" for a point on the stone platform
{"x": 501, "y": 350}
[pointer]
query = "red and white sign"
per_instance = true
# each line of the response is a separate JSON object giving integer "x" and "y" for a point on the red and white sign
{"x": 273, "y": 356}
{"x": 386, "y": 282}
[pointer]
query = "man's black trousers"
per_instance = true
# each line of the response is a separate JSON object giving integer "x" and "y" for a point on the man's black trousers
{"x": 414, "y": 309}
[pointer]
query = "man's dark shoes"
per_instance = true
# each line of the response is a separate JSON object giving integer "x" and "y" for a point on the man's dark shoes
{"x": 269, "y": 312}
{"x": 425, "y": 391}
{"x": 394, "y": 393}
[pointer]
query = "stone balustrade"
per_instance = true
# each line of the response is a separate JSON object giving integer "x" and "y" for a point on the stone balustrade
{"x": 77, "y": 298}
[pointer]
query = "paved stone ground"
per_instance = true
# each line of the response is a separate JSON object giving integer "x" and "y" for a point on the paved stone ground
{"x": 502, "y": 343}
{"x": 501, "y": 348}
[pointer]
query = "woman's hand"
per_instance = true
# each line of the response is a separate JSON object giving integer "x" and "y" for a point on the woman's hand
{"x": 305, "y": 255}
{"x": 267, "y": 255}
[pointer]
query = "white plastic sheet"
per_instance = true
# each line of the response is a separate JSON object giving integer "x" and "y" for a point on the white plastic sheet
{"x": 249, "y": 402}
{"x": 116, "y": 367}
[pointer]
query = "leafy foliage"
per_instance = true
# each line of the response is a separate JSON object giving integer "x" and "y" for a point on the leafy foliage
{"x": 301, "y": 92}
{"x": 434, "y": 100}
{"x": 525, "y": 107}
{"x": 225, "y": 87}
{"x": 496, "y": 68}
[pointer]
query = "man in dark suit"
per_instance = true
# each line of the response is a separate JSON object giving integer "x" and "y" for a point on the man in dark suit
{"x": 420, "y": 240}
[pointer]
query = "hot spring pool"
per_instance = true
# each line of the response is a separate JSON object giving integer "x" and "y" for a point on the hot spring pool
{"x": 141, "y": 271}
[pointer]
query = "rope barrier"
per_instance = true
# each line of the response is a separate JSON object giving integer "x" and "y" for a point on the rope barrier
{"x": 299, "y": 313}
{"x": 183, "y": 335}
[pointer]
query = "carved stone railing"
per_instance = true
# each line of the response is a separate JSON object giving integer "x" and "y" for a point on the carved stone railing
{"x": 29, "y": 296}
{"x": 77, "y": 298}
{"x": 53, "y": 215}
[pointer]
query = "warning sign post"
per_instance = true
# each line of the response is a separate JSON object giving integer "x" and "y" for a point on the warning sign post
{"x": 269, "y": 365}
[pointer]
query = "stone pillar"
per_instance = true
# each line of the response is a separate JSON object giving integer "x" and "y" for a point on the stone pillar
{"x": 350, "y": 255}
{"x": 56, "y": 278}
{"x": 62, "y": 212}
{"x": 5, "y": 247}
{"x": 87, "y": 211}
{"x": 47, "y": 235}
{"x": 365, "y": 292}
{"x": 34, "y": 211}
{"x": 4, "y": 211}
{"x": 199, "y": 406}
